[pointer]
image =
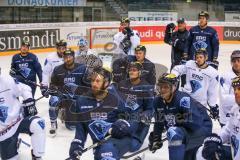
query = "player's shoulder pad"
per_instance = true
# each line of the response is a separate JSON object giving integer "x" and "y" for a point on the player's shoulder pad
{"x": 184, "y": 101}
{"x": 190, "y": 63}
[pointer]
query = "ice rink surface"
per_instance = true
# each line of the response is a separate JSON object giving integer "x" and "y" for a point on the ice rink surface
{"x": 57, "y": 148}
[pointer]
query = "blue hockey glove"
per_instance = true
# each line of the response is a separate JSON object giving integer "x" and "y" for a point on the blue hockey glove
{"x": 76, "y": 149}
{"x": 212, "y": 147}
{"x": 44, "y": 91}
{"x": 214, "y": 112}
{"x": 120, "y": 128}
{"x": 155, "y": 142}
{"x": 29, "y": 107}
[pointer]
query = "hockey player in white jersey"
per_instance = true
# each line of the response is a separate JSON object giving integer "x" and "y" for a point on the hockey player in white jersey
{"x": 127, "y": 39}
{"x": 213, "y": 148}
{"x": 83, "y": 48}
{"x": 226, "y": 94}
{"x": 16, "y": 118}
{"x": 201, "y": 81}
{"x": 53, "y": 60}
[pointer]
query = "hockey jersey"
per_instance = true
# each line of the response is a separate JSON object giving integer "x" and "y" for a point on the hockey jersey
{"x": 50, "y": 63}
{"x": 231, "y": 132}
{"x": 10, "y": 106}
{"x": 227, "y": 98}
{"x": 201, "y": 84}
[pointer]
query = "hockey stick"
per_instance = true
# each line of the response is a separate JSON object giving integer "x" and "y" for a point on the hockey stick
{"x": 92, "y": 146}
{"x": 20, "y": 140}
{"x": 5, "y": 90}
{"x": 140, "y": 151}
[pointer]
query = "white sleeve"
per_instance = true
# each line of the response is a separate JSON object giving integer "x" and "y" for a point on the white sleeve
{"x": 179, "y": 70}
{"x": 213, "y": 91}
{"x": 135, "y": 40}
{"x": 21, "y": 90}
{"x": 47, "y": 69}
{"x": 117, "y": 42}
{"x": 226, "y": 97}
{"x": 225, "y": 133}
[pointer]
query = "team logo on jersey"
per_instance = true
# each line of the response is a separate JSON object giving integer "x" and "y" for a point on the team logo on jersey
{"x": 235, "y": 144}
{"x": 99, "y": 128}
{"x": 41, "y": 123}
{"x": 131, "y": 102}
{"x": 195, "y": 85}
{"x": 69, "y": 80}
{"x": 25, "y": 72}
{"x": 185, "y": 102}
{"x": 200, "y": 45}
{"x": 197, "y": 77}
{"x": 3, "y": 113}
{"x": 170, "y": 119}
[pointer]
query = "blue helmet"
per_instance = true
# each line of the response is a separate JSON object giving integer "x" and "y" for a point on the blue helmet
{"x": 82, "y": 42}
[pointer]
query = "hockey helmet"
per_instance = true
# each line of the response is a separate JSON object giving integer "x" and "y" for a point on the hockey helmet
{"x": 235, "y": 54}
{"x": 236, "y": 82}
{"x": 181, "y": 20}
{"x": 125, "y": 20}
{"x": 141, "y": 48}
{"x": 69, "y": 52}
{"x": 169, "y": 78}
{"x": 104, "y": 72}
{"x": 61, "y": 43}
{"x": 201, "y": 51}
{"x": 204, "y": 14}
{"x": 137, "y": 65}
{"x": 82, "y": 42}
{"x": 25, "y": 43}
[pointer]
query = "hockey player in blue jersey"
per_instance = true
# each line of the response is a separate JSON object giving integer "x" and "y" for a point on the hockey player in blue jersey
{"x": 25, "y": 66}
{"x": 102, "y": 103}
{"x": 203, "y": 36}
{"x": 186, "y": 121}
{"x": 62, "y": 75}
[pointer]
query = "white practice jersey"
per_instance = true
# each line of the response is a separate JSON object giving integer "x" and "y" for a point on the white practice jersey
{"x": 135, "y": 40}
{"x": 231, "y": 132}
{"x": 88, "y": 52}
{"x": 227, "y": 98}
{"x": 10, "y": 106}
{"x": 201, "y": 84}
{"x": 50, "y": 63}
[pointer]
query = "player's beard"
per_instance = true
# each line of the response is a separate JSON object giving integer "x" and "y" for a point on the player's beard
{"x": 100, "y": 93}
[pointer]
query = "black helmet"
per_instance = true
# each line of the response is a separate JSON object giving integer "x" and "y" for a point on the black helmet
{"x": 69, "y": 52}
{"x": 25, "y": 43}
{"x": 140, "y": 48}
{"x": 235, "y": 54}
{"x": 202, "y": 51}
{"x": 104, "y": 72}
{"x": 169, "y": 78}
{"x": 203, "y": 13}
{"x": 236, "y": 82}
{"x": 61, "y": 43}
{"x": 137, "y": 65}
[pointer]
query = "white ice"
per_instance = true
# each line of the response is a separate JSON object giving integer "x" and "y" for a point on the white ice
{"x": 57, "y": 148}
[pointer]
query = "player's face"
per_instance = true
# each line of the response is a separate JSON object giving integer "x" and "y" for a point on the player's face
{"x": 181, "y": 26}
{"x": 133, "y": 73}
{"x": 68, "y": 60}
{"x": 82, "y": 48}
{"x": 24, "y": 48}
{"x": 202, "y": 21}
{"x": 123, "y": 25}
{"x": 140, "y": 55}
{"x": 61, "y": 49}
{"x": 97, "y": 82}
{"x": 200, "y": 59}
{"x": 236, "y": 64}
{"x": 165, "y": 90}
{"x": 237, "y": 94}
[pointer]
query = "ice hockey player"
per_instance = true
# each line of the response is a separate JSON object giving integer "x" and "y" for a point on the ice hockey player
{"x": 101, "y": 110}
{"x": 25, "y": 66}
{"x": 127, "y": 39}
{"x": 201, "y": 81}
{"x": 213, "y": 147}
{"x": 52, "y": 60}
{"x": 185, "y": 120}
{"x": 226, "y": 94}
{"x": 19, "y": 118}
{"x": 67, "y": 73}
{"x": 203, "y": 36}
{"x": 83, "y": 48}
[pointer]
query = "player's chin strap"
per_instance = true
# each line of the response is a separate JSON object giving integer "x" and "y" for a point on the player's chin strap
{"x": 139, "y": 151}
{"x": 93, "y": 146}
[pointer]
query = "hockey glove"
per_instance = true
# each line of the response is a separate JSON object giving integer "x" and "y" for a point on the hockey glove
{"x": 120, "y": 128}
{"x": 44, "y": 91}
{"x": 214, "y": 112}
{"x": 29, "y": 107}
{"x": 128, "y": 31}
{"x": 76, "y": 149}
{"x": 212, "y": 147}
{"x": 170, "y": 27}
{"x": 155, "y": 142}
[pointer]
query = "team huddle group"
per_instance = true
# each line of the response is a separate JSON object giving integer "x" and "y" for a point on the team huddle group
{"x": 117, "y": 105}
